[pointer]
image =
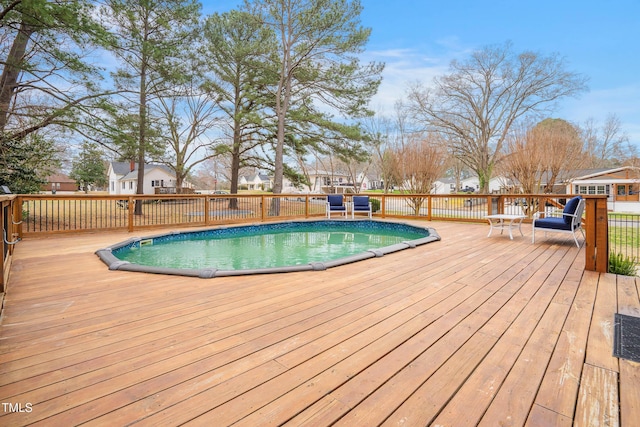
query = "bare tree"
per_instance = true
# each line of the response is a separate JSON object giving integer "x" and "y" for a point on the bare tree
{"x": 481, "y": 98}
{"x": 523, "y": 159}
{"x": 379, "y": 130}
{"x": 188, "y": 118}
{"x": 418, "y": 165}
{"x": 608, "y": 145}
{"x": 561, "y": 148}
{"x": 536, "y": 157}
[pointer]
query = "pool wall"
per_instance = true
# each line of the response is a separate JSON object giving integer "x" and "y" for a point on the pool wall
{"x": 107, "y": 256}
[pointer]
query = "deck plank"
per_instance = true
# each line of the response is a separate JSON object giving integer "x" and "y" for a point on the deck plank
{"x": 600, "y": 341}
{"x": 466, "y": 330}
{"x": 629, "y": 304}
{"x": 559, "y": 389}
{"x": 598, "y": 403}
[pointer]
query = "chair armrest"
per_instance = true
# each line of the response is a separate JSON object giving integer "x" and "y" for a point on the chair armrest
{"x": 536, "y": 215}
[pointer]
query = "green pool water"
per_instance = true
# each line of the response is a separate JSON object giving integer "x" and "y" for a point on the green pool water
{"x": 260, "y": 247}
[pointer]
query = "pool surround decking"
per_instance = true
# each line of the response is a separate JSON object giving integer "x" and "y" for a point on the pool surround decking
{"x": 466, "y": 331}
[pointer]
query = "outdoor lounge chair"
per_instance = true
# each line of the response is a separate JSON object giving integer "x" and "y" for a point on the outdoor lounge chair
{"x": 335, "y": 203}
{"x": 361, "y": 204}
{"x": 569, "y": 222}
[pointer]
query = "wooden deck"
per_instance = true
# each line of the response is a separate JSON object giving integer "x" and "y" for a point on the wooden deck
{"x": 467, "y": 331}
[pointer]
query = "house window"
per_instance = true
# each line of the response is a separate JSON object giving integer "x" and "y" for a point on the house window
{"x": 592, "y": 189}
{"x": 157, "y": 183}
{"x": 113, "y": 186}
{"x": 130, "y": 185}
{"x": 124, "y": 185}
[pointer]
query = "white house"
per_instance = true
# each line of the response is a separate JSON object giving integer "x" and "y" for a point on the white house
{"x": 448, "y": 185}
{"x": 335, "y": 182}
{"x": 123, "y": 178}
{"x": 257, "y": 181}
{"x": 444, "y": 186}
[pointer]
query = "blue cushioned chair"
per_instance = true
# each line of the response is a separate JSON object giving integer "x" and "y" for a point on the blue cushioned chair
{"x": 361, "y": 204}
{"x": 335, "y": 203}
{"x": 569, "y": 222}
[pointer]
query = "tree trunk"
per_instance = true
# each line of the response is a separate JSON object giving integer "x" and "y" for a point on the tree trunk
{"x": 11, "y": 72}
{"x": 142, "y": 134}
{"x": 235, "y": 166}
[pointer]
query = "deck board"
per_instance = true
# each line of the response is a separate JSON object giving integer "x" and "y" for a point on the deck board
{"x": 470, "y": 330}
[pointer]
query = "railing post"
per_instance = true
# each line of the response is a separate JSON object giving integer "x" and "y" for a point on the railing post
{"x": 3, "y": 221}
{"x": 131, "y": 208}
{"x": 597, "y": 235}
{"x": 207, "y": 204}
{"x": 17, "y": 213}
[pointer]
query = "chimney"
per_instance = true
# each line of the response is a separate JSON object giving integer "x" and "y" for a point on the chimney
{"x": 132, "y": 166}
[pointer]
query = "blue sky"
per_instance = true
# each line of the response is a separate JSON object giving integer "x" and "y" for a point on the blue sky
{"x": 417, "y": 39}
{"x": 599, "y": 39}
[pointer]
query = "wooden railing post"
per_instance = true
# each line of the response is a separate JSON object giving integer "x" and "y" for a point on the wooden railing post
{"x": 597, "y": 235}
{"x": 130, "y": 208}
{"x": 9, "y": 238}
{"x": 207, "y": 205}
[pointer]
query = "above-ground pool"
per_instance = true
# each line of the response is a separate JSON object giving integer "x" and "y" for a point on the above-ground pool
{"x": 264, "y": 248}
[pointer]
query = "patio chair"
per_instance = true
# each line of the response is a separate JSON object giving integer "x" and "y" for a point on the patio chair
{"x": 361, "y": 204}
{"x": 335, "y": 203}
{"x": 569, "y": 222}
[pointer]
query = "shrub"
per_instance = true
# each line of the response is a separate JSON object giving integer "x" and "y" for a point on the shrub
{"x": 622, "y": 264}
{"x": 375, "y": 205}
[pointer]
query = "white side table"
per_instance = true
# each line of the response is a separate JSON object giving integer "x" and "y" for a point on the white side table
{"x": 498, "y": 221}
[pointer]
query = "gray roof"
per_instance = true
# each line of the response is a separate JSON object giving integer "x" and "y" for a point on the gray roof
{"x": 124, "y": 169}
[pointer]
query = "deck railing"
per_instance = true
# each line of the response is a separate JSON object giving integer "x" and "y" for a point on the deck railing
{"x": 46, "y": 213}
{"x": 10, "y": 223}
{"x": 624, "y": 234}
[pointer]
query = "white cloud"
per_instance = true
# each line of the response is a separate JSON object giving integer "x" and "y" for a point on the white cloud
{"x": 403, "y": 66}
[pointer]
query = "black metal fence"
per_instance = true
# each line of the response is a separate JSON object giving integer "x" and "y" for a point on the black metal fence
{"x": 624, "y": 234}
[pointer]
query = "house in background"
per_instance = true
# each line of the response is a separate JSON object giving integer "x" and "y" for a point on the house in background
{"x": 256, "y": 182}
{"x": 621, "y": 185}
{"x": 329, "y": 182}
{"x": 59, "y": 182}
{"x": 158, "y": 179}
{"x": 448, "y": 185}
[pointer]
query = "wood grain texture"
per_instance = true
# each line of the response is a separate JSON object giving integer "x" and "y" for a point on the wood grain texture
{"x": 459, "y": 332}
